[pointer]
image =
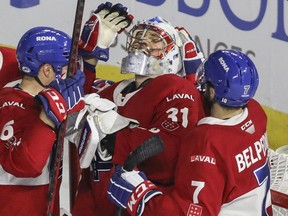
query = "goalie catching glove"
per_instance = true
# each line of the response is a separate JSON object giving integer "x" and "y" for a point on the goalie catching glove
{"x": 131, "y": 190}
{"x": 101, "y": 29}
{"x": 92, "y": 124}
{"x": 192, "y": 56}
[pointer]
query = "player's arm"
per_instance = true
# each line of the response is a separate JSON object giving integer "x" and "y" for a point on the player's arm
{"x": 99, "y": 33}
{"x": 171, "y": 120}
{"x": 196, "y": 191}
{"x": 9, "y": 70}
{"x": 24, "y": 150}
{"x": 133, "y": 192}
{"x": 192, "y": 55}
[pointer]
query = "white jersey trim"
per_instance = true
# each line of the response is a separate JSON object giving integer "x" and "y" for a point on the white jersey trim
{"x": 227, "y": 122}
{"x": 9, "y": 179}
{"x": 248, "y": 204}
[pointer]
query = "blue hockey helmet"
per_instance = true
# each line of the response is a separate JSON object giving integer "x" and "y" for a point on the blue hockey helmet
{"x": 43, "y": 45}
{"x": 233, "y": 76}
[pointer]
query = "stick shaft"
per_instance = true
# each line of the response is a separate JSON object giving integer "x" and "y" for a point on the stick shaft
{"x": 147, "y": 149}
{"x": 54, "y": 173}
{"x": 75, "y": 37}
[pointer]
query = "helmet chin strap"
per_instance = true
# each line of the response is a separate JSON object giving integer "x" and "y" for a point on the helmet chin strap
{"x": 39, "y": 81}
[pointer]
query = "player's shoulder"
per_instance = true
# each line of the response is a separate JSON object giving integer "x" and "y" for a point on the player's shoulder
{"x": 171, "y": 78}
{"x": 7, "y": 49}
{"x": 255, "y": 107}
{"x": 9, "y": 70}
{"x": 115, "y": 88}
{"x": 11, "y": 93}
{"x": 254, "y": 104}
{"x": 173, "y": 86}
{"x": 6, "y": 90}
{"x": 16, "y": 101}
{"x": 7, "y": 55}
{"x": 173, "y": 81}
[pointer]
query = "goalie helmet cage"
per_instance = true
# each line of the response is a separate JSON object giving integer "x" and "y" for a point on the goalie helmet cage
{"x": 279, "y": 182}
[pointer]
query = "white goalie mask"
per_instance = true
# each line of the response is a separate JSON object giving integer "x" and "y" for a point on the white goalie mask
{"x": 153, "y": 49}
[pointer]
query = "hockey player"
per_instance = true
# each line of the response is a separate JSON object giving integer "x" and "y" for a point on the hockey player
{"x": 30, "y": 114}
{"x": 223, "y": 165}
{"x": 49, "y": 57}
{"x": 8, "y": 66}
{"x": 159, "y": 99}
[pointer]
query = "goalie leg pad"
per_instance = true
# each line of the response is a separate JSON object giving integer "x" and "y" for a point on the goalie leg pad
{"x": 87, "y": 142}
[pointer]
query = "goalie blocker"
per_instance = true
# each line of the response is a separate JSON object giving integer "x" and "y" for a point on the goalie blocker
{"x": 92, "y": 124}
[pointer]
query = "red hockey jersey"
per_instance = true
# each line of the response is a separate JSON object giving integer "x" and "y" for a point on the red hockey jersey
{"x": 25, "y": 147}
{"x": 222, "y": 169}
{"x": 8, "y": 66}
{"x": 167, "y": 105}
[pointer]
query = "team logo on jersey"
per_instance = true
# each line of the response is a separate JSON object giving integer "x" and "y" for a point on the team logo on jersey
{"x": 248, "y": 127}
{"x": 170, "y": 125}
{"x": 12, "y": 142}
{"x": 194, "y": 210}
{"x": 203, "y": 158}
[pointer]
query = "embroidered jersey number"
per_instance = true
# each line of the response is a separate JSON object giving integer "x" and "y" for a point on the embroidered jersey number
{"x": 173, "y": 112}
{"x": 199, "y": 186}
{"x": 7, "y": 131}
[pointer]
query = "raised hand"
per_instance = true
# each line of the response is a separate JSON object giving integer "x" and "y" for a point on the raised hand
{"x": 192, "y": 56}
{"x": 101, "y": 30}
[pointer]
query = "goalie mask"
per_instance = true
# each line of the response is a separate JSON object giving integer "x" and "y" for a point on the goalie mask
{"x": 153, "y": 49}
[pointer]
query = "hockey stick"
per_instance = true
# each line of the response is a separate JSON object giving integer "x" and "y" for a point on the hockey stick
{"x": 54, "y": 173}
{"x": 74, "y": 175}
{"x": 149, "y": 148}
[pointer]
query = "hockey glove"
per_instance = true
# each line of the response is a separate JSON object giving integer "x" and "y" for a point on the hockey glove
{"x": 53, "y": 104}
{"x": 92, "y": 124}
{"x": 131, "y": 190}
{"x": 101, "y": 29}
{"x": 192, "y": 56}
{"x": 100, "y": 84}
{"x": 71, "y": 90}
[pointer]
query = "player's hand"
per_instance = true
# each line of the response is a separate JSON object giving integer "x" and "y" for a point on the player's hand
{"x": 71, "y": 90}
{"x": 101, "y": 29}
{"x": 131, "y": 190}
{"x": 192, "y": 56}
{"x": 100, "y": 84}
{"x": 53, "y": 104}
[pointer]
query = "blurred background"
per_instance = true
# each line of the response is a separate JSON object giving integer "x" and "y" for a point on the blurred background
{"x": 258, "y": 28}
